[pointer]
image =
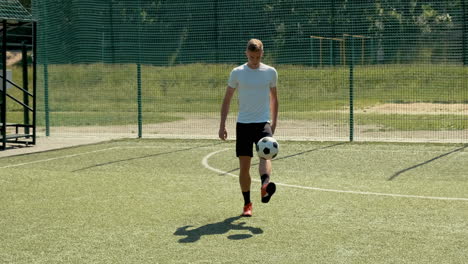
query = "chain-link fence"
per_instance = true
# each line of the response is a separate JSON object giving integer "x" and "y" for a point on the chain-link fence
{"x": 362, "y": 70}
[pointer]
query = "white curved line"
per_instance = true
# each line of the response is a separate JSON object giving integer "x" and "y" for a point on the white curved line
{"x": 206, "y": 165}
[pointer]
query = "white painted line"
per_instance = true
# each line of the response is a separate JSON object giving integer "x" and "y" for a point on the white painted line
{"x": 206, "y": 165}
{"x": 398, "y": 151}
{"x": 56, "y": 158}
{"x": 83, "y": 153}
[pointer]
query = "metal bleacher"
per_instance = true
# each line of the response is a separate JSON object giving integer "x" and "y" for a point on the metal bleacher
{"x": 17, "y": 35}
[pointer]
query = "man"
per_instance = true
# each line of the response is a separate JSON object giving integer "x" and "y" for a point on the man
{"x": 256, "y": 85}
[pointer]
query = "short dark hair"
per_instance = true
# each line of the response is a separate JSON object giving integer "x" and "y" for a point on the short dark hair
{"x": 255, "y": 45}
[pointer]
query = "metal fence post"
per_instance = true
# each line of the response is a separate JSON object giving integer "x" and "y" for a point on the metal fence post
{"x": 351, "y": 92}
{"x": 140, "y": 118}
{"x": 464, "y": 36}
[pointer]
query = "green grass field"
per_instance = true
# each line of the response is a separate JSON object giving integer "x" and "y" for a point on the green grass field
{"x": 178, "y": 201}
{"x": 96, "y": 94}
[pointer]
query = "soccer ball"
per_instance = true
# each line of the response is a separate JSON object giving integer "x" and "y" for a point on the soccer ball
{"x": 267, "y": 148}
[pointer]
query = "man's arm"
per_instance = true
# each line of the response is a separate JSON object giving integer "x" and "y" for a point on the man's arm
{"x": 224, "y": 112}
{"x": 273, "y": 108}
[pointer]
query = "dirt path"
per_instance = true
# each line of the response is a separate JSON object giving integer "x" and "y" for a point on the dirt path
{"x": 13, "y": 57}
{"x": 206, "y": 125}
{"x": 417, "y": 109}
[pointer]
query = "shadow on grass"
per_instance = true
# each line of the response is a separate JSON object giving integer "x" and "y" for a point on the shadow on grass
{"x": 219, "y": 228}
{"x": 143, "y": 157}
{"x": 398, "y": 173}
{"x": 292, "y": 155}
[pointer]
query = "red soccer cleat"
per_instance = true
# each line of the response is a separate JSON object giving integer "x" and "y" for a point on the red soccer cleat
{"x": 247, "y": 211}
{"x": 268, "y": 189}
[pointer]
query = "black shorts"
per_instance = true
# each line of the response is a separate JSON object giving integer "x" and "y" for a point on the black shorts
{"x": 249, "y": 134}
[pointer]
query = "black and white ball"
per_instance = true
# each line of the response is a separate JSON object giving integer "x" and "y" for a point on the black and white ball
{"x": 267, "y": 148}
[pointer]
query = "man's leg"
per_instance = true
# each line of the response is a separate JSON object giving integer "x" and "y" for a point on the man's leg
{"x": 244, "y": 174}
{"x": 264, "y": 167}
{"x": 268, "y": 187}
{"x": 245, "y": 182}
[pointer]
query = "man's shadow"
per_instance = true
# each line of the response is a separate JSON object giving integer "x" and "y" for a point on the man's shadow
{"x": 219, "y": 228}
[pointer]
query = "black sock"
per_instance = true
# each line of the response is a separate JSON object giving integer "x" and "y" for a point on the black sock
{"x": 265, "y": 178}
{"x": 246, "y": 197}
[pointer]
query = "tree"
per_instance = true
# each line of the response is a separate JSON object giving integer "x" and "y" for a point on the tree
{"x": 26, "y": 3}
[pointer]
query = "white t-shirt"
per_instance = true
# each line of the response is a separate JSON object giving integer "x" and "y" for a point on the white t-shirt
{"x": 253, "y": 87}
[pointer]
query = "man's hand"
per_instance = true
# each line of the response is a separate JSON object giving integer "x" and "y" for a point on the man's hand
{"x": 222, "y": 133}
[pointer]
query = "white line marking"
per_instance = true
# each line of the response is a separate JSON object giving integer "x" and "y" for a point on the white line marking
{"x": 79, "y": 154}
{"x": 56, "y": 158}
{"x": 398, "y": 151}
{"x": 206, "y": 165}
